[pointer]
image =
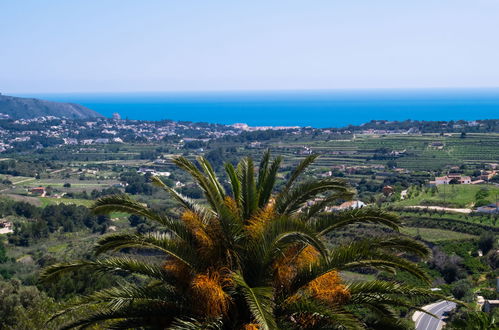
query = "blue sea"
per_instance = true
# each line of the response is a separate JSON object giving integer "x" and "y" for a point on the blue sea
{"x": 323, "y": 108}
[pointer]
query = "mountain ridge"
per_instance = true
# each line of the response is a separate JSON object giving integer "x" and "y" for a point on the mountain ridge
{"x": 26, "y": 108}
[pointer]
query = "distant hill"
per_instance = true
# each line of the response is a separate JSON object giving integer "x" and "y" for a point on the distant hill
{"x": 25, "y": 108}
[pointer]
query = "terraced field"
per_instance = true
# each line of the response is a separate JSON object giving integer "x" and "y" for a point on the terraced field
{"x": 435, "y": 235}
{"x": 457, "y": 195}
{"x": 420, "y": 152}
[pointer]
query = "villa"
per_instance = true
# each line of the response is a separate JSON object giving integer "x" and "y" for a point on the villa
{"x": 487, "y": 175}
{"x": 5, "y": 227}
{"x": 38, "y": 191}
{"x": 355, "y": 204}
{"x": 450, "y": 178}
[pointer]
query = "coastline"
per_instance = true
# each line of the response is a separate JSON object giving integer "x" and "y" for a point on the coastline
{"x": 319, "y": 109}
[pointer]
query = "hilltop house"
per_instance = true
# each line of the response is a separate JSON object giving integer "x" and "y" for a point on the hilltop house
{"x": 447, "y": 179}
{"x": 6, "y": 227}
{"x": 356, "y": 204}
{"x": 144, "y": 170}
{"x": 38, "y": 191}
{"x": 487, "y": 175}
{"x": 388, "y": 190}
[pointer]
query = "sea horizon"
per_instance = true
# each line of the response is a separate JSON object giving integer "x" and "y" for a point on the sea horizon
{"x": 316, "y": 108}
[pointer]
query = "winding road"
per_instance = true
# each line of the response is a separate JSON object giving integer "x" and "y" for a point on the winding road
{"x": 427, "y": 322}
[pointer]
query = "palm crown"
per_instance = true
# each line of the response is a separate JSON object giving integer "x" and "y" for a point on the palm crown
{"x": 253, "y": 258}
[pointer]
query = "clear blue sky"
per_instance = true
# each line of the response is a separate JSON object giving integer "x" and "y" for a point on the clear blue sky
{"x": 161, "y": 45}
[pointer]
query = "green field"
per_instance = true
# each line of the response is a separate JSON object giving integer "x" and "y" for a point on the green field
{"x": 462, "y": 196}
{"x": 44, "y": 201}
{"x": 476, "y": 148}
{"x": 435, "y": 235}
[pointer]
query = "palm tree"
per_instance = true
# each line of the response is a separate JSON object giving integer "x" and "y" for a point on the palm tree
{"x": 251, "y": 258}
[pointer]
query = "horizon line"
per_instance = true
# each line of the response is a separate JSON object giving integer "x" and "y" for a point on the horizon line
{"x": 186, "y": 91}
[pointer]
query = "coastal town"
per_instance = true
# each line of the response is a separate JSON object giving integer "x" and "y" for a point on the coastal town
{"x": 46, "y": 131}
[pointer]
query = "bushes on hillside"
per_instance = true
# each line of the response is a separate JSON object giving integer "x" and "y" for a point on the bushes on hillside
{"x": 43, "y": 221}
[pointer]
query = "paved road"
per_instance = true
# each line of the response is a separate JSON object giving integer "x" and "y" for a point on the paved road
{"x": 441, "y": 208}
{"x": 428, "y": 322}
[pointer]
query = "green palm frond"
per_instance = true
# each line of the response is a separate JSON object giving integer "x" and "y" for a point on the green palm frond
{"x": 235, "y": 183}
{"x": 126, "y": 204}
{"x": 260, "y": 302}
{"x": 126, "y": 294}
{"x": 304, "y": 164}
{"x": 274, "y": 240}
{"x": 127, "y": 323}
{"x": 390, "y": 264}
{"x": 249, "y": 199}
{"x": 111, "y": 264}
{"x": 232, "y": 234}
{"x": 154, "y": 241}
{"x": 128, "y": 302}
{"x": 209, "y": 187}
{"x": 336, "y": 220}
{"x": 369, "y": 291}
{"x": 399, "y": 244}
{"x": 327, "y": 317}
{"x": 152, "y": 315}
{"x": 186, "y": 202}
{"x": 263, "y": 169}
{"x": 267, "y": 178}
{"x": 211, "y": 176}
{"x": 193, "y": 324}
{"x": 357, "y": 254}
{"x": 291, "y": 201}
{"x": 318, "y": 207}
{"x": 384, "y": 309}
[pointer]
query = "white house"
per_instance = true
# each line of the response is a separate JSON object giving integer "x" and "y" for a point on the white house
{"x": 448, "y": 178}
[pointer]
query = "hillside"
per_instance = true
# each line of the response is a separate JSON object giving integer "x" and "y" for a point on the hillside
{"x": 25, "y": 108}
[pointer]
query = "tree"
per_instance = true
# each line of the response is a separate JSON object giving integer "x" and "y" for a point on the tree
{"x": 486, "y": 241}
{"x": 461, "y": 289}
{"x": 135, "y": 220}
{"x": 24, "y": 307}
{"x": 391, "y": 164}
{"x": 475, "y": 321}
{"x": 483, "y": 193}
{"x": 14, "y": 296}
{"x": 3, "y": 253}
{"x": 252, "y": 258}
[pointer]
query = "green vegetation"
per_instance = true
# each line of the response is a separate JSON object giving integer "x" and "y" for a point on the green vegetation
{"x": 460, "y": 196}
{"x": 475, "y": 321}
{"x": 20, "y": 107}
{"x": 31, "y": 223}
{"x": 74, "y": 176}
{"x": 435, "y": 235}
{"x": 54, "y": 201}
{"x": 253, "y": 258}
